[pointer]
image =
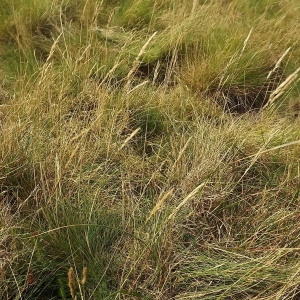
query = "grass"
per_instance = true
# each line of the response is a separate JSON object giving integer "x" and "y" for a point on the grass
{"x": 149, "y": 149}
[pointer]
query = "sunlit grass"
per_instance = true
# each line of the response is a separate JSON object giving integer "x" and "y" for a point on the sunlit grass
{"x": 149, "y": 149}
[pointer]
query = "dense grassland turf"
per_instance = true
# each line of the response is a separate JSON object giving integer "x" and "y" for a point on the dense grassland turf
{"x": 150, "y": 149}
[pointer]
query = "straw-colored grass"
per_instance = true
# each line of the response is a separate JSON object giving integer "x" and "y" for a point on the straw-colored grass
{"x": 149, "y": 149}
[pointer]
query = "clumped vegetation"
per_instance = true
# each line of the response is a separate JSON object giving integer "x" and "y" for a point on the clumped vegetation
{"x": 149, "y": 149}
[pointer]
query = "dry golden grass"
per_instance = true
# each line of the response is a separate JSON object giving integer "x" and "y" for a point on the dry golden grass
{"x": 149, "y": 150}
